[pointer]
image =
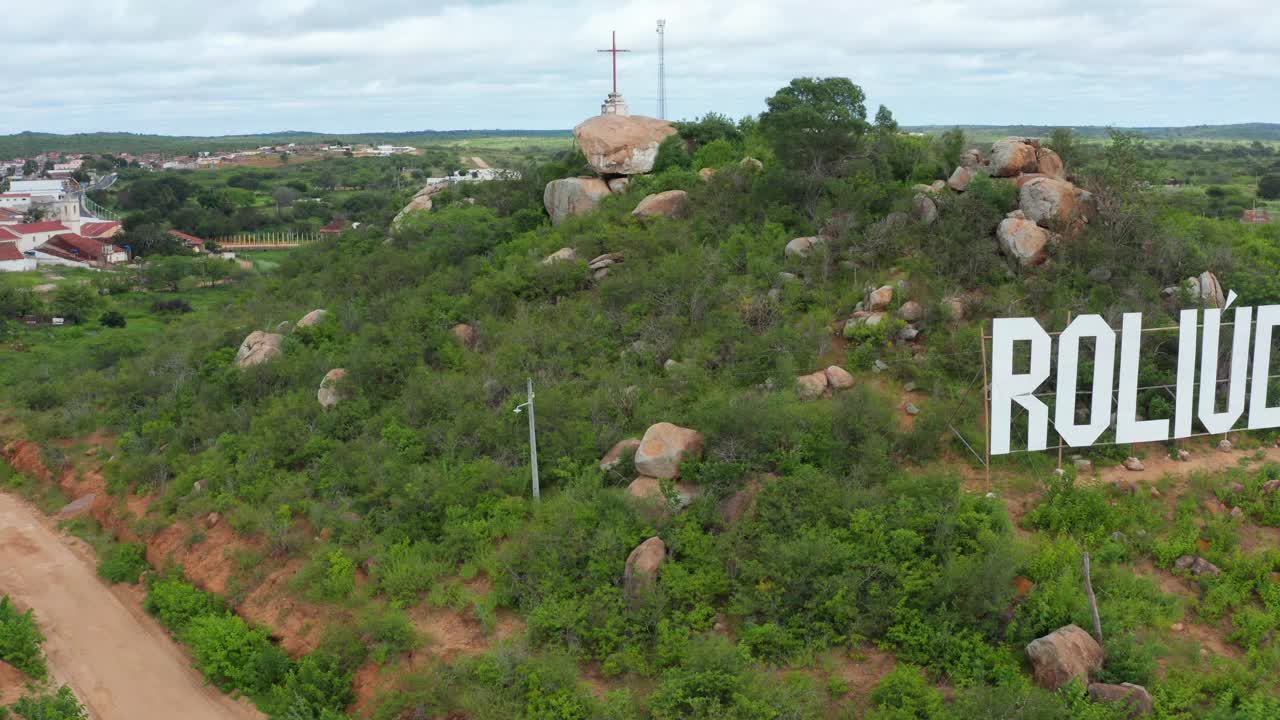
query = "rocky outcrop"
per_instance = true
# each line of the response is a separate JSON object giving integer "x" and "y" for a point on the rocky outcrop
{"x": 313, "y": 318}
{"x": 618, "y": 185}
{"x": 259, "y": 347}
{"x": 604, "y": 262}
{"x": 567, "y": 197}
{"x": 664, "y": 446}
{"x": 1011, "y": 157}
{"x": 622, "y": 144}
{"x": 672, "y": 204}
{"x": 911, "y": 311}
{"x": 649, "y": 490}
{"x": 1049, "y": 202}
{"x": 1207, "y": 289}
{"x": 617, "y": 452}
{"x": 802, "y": 247}
{"x": 878, "y": 300}
{"x": 1066, "y": 653}
{"x": 1135, "y": 697}
{"x": 811, "y": 386}
{"x": 1023, "y": 240}
{"x": 564, "y": 254}
{"x": 1048, "y": 163}
{"x": 971, "y": 158}
{"x": 924, "y": 209}
{"x": 421, "y": 201}
{"x": 751, "y": 164}
{"x": 734, "y": 507}
{"x": 960, "y": 179}
{"x": 838, "y": 378}
{"x": 641, "y": 569}
{"x": 706, "y": 174}
{"x": 1197, "y": 566}
{"x": 331, "y": 391}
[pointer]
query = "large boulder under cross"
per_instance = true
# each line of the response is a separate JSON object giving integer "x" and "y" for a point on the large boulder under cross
{"x": 622, "y": 144}
{"x": 663, "y": 447}
{"x": 1066, "y": 653}
{"x": 259, "y": 347}
{"x": 567, "y": 197}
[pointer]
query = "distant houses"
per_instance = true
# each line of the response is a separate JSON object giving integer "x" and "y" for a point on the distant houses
{"x": 190, "y": 241}
{"x": 1256, "y": 217}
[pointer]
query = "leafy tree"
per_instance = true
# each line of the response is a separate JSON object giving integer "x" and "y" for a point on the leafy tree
{"x": 1269, "y": 187}
{"x": 20, "y": 640}
{"x": 59, "y": 705}
{"x": 816, "y": 123}
{"x": 113, "y": 319}
{"x": 74, "y": 302}
{"x": 885, "y": 122}
{"x": 1063, "y": 142}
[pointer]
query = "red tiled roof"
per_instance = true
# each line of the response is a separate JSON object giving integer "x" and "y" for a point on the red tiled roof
{"x": 10, "y": 251}
{"x": 40, "y": 227}
{"x": 336, "y": 226}
{"x": 7, "y": 234}
{"x": 189, "y": 239}
{"x": 78, "y": 246}
{"x": 14, "y": 195}
{"x": 98, "y": 229}
{"x": 6, "y": 212}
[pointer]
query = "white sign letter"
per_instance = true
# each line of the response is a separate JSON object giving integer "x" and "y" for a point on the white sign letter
{"x": 1104, "y": 363}
{"x": 1128, "y": 429}
{"x": 1184, "y": 400}
{"x": 1261, "y": 416}
{"x": 1008, "y": 387}
{"x": 1221, "y": 422}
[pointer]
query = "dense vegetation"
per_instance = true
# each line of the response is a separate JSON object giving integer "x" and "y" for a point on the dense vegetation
{"x": 864, "y": 536}
{"x": 20, "y": 646}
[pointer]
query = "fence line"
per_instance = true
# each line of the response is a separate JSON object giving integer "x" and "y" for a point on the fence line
{"x": 283, "y": 239}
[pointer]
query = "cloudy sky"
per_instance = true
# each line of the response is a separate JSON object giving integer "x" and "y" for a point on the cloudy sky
{"x": 248, "y": 66}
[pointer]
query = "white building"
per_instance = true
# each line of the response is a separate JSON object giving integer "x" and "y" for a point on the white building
{"x": 15, "y": 201}
{"x": 39, "y": 189}
{"x": 13, "y": 260}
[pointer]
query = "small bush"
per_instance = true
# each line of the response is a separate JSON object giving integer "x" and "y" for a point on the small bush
{"x": 234, "y": 656}
{"x": 123, "y": 562}
{"x": 112, "y": 319}
{"x": 20, "y": 640}
{"x": 175, "y": 602}
{"x": 60, "y": 705}
{"x": 174, "y": 306}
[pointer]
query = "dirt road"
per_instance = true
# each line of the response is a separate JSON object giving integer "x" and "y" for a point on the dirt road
{"x": 479, "y": 162}
{"x": 120, "y": 662}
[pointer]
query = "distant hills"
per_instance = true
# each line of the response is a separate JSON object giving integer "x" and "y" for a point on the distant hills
{"x": 31, "y": 143}
{"x": 1238, "y": 132}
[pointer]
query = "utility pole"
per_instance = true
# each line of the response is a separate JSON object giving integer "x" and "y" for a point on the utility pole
{"x": 662, "y": 70}
{"x": 533, "y": 442}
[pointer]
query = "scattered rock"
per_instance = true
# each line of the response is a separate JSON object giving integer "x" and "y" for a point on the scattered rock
{"x": 1204, "y": 288}
{"x": 1214, "y": 507}
{"x": 1184, "y": 456}
{"x": 1083, "y": 465}
{"x": 330, "y": 392}
{"x": 879, "y": 366}
{"x": 600, "y": 262}
{"x": 811, "y": 386}
{"x": 1134, "y": 464}
{"x": 618, "y": 185}
{"x": 908, "y": 333}
{"x": 466, "y": 335}
{"x": 672, "y": 364}
{"x": 573, "y": 196}
{"x": 706, "y": 174}
{"x": 911, "y": 409}
{"x": 619, "y": 449}
{"x": 1271, "y": 486}
{"x": 1127, "y": 487}
{"x": 1134, "y": 697}
{"x": 1236, "y": 513}
{"x": 211, "y": 520}
{"x": 664, "y": 447}
{"x": 1177, "y": 627}
{"x": 622, "y": 144}
{"x": 565, "y": 254}
{"x": 259, "y": 347}
{"x": 642, "y": 566}
{"x": 1024, "y": 240}
{"x": 752, "y": 164}
{"x": 739, "y": 504}
{"x": 284, "y": 327}
{"x": 910, "y": 386}
{"x": 801, "y": 247}
{"x": 672, "y": 204}
{"x": 1224, "y": 445}
{"x": 1197, "y": 566}
{"x": 313, "y": 318}
{"x": 838, "y": 378}
{"x": 1011, "y": 157}
{"x": 649, "y": 489}
{"x": 960, "y": 179}
{"x": 878, "y": 300}
{"x": 954, "y": 307}
{"x": 78, "y": 507}
{"x": 1100, "y": 274}
{"x": 938, "y": 186}
{"x": 924, "y": 209}
{"x": 1062, "y": 655}
{"x": 911, "y": 311}
{"x": 971, "y": 158}
{"x": 1231, "y": 488}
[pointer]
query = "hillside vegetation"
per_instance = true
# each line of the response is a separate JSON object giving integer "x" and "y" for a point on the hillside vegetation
{"x": 824, "y": 534}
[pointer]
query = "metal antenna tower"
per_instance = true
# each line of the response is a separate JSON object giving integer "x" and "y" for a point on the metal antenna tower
{"x": 662, "y": 70}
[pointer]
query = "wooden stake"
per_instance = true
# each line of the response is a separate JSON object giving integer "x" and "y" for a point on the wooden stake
{"x": 1093, "y": 601}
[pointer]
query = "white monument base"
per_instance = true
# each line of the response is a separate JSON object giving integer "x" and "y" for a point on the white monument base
{"x": 614, "y": 105}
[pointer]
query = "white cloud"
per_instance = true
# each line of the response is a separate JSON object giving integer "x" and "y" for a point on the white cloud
{"x": 191, "y": 66}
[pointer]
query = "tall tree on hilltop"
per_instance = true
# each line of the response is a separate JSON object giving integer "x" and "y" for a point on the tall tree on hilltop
{"x": 814, "y": 124}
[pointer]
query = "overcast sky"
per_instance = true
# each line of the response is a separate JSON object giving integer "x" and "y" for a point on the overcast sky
{"x": 250, "y": 66}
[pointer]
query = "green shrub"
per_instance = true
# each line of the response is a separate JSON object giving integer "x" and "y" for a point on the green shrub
{"x": 20, "y": 640}
{"x": 234, "y": 656}
{"x": 123, "y": 562}
{"x": 904, "y": 694}
{"x": 58, "y": 705}
{"x": 175, "y": 602}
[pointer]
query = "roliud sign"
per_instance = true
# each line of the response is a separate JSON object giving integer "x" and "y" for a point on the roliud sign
{"x": 1195, "y": 390}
